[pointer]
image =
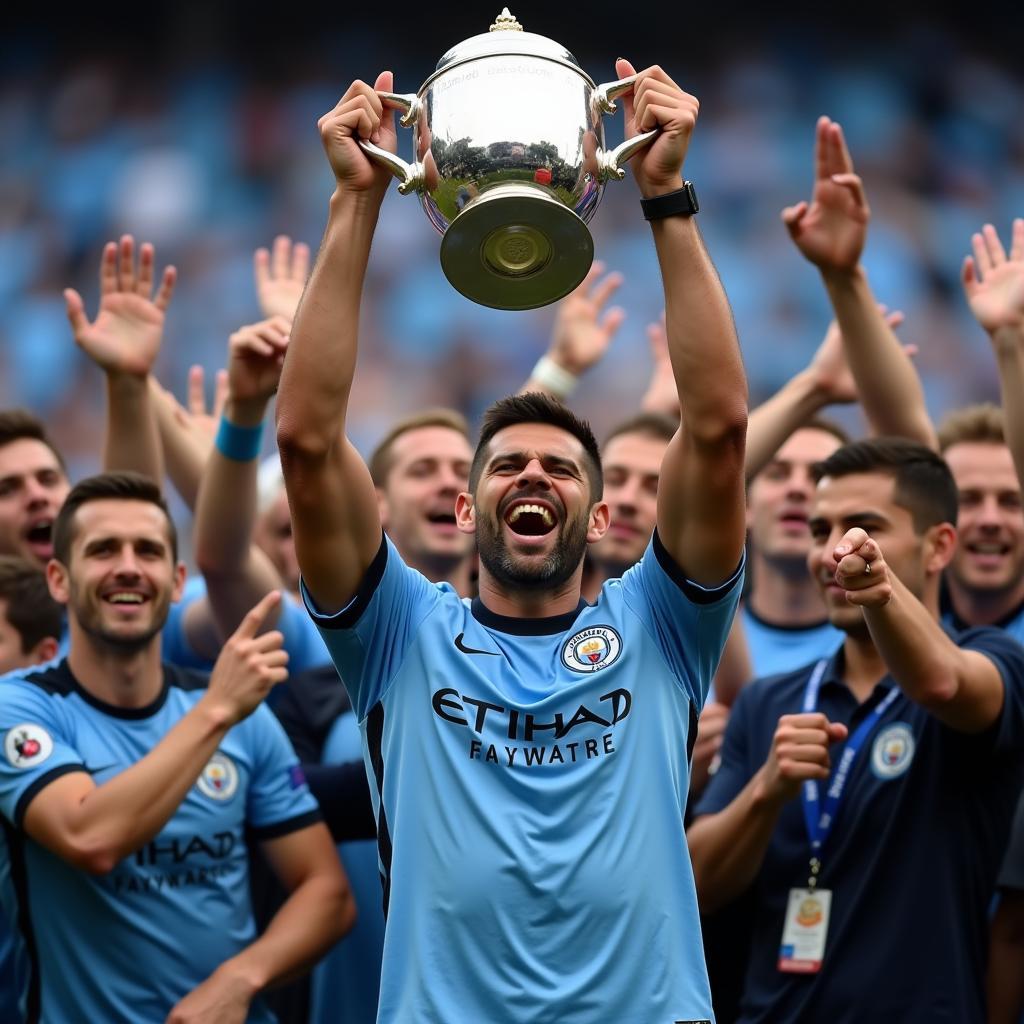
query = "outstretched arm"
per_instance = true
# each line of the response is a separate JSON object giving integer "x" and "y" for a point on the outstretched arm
{"x": 580, "y": 335}
{"x": 333, "y": 502}
{"x": 237, "y": 573}
{"x": 700, "y": 495}
{"x": 994, "y": 285}
{"x": 962, "y": 688}
{"x": 124, "y": 341}
{"x": 830, "y": 231}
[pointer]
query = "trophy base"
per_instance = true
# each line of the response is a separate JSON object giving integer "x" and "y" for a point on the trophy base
{"x": 515, "y": 247}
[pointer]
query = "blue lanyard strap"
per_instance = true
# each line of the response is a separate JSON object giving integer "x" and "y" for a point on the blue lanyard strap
{"x": 818, "y": 816}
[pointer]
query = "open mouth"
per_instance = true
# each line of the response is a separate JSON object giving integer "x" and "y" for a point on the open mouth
{"x": 528, "y": 519}
{"x": 40, "y": 535}
{"x": 441, "y": 519}
{"x": 794, "y": 520}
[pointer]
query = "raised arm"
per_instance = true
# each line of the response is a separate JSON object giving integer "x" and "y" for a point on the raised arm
{"x": 962, "y": 688}
{"x": 186, "y": 434}
{"x": 124, "y": 341}
{"x": 580, "y": 335}
{"x": 93, "y": 827}
{"x": 237, "y": 573}
{"x": 827, "y": 380}
{"x": 701, "y": 507}
{"x": 332, "y": 498}
{"x": 994, "y": 286}
{"x": 830, "y": 231}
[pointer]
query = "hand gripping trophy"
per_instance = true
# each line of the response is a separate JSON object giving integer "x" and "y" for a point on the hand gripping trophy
{"x": 510, "y": 163}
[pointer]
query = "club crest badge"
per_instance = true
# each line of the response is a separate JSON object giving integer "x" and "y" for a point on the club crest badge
{"x": 27, "y": 745}
{"x": 591, "y": 649}
{"x": 893, "y": 750}
{"x": 219, "y": 779}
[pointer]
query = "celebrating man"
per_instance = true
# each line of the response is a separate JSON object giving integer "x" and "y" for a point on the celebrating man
{"x": 528, "y": 752}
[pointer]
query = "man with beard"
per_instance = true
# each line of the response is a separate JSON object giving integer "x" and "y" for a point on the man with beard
{"x": 126, "y": 788}
{"x": 528, "y": 751}
{"x": 926, "y": 730}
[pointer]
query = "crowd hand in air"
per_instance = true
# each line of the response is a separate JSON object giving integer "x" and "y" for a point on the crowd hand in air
{"x": 830, "y": 370}
{"x": 994, "y": 282}
{"x": 581, "y": 334}
{"x": 197, "y": 422}
{"x": 126, "y": 334}
{"x": 281, "y": 274}
{"x": 831, "y": 230}
{"x": 662, "y": 395}
{"x": 799, "y": 752}
{"x": 255, "y": 357}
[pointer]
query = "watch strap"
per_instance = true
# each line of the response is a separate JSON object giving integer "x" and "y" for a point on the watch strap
{"x": 681, "y": 203}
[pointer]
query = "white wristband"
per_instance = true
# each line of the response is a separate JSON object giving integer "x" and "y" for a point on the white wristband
{"x": 555, "y": 378}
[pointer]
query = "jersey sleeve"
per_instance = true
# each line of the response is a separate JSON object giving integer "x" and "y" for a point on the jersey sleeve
{"x": 736, "y": 766}
{"x": 369, "y": 638}
{"x": 174, "y": 645}
{"x": 37, "y": 748}
{"x": 688, "y": 622}
{"x": 1006, "y": 736}
{"x": 278, "y": 800}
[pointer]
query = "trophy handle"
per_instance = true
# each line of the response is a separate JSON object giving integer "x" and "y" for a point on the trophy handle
{"x": 410, "y": 176}
{"x": 603, "y": 99}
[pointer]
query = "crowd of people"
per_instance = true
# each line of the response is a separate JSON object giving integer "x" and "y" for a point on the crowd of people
{"x": 723, "y": 673}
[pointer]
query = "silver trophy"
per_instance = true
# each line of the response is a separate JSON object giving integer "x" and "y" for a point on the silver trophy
{"x": 510, "y": 163}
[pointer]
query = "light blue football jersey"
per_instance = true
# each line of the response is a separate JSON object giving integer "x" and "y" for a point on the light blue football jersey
{"x": 126, "y": 946}
{"x": 776, "y": 649}
{"x": 529, "y": 778}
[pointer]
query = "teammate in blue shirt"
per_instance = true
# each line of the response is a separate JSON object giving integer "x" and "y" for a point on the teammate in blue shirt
{"x": 126, "y": 788}
{"x": 528, "y": 751}
{"x": 853, "y": 792}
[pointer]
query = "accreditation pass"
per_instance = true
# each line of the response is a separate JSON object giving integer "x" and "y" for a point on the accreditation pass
{"x": 805, "y": 930}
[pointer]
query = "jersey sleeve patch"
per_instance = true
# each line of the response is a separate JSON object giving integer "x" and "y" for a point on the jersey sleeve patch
{"x": 27, "y": 745}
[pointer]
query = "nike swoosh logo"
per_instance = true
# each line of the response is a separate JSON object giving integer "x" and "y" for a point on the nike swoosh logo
{"x": 471, "y": 650}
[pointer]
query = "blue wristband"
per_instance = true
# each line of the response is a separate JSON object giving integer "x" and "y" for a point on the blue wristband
{"x": 241, "y": 444}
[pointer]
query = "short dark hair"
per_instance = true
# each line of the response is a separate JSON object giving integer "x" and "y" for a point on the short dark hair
{"x": 120, "y": 486}
{"x": 658, "y": 425}
{"x": 19, "y": 424}
{"x": 380, "y": 460}
{"x": 537, "y": 407}
{"x": 33, "y": 614}
{"x": 924, "y": 483}
{"x": 826, "y": 426}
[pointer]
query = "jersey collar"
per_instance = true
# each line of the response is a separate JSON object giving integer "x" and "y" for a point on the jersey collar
{"x": 547, "y": 626}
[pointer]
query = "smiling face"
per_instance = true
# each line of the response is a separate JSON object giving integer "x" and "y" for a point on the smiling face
{"x": 632, "y": 465}
{"x": 990, "y": 558}
{"x": 429, "y": 467}
{"x": 779, "y": 498}
{"x": 532, "y": 510}
{"x": 33, "y": 487}
{"x": 866, "y": 500}
{"x": 120, "y": 578}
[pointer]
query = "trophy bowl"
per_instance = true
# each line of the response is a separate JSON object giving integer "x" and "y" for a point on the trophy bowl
{"x": 510, "y": 164}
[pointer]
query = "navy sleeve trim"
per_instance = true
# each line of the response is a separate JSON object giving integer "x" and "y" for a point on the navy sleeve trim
{"x": 41, "y": 783}
{"x": 352, "y": 612}
{"x": 694, "y": 591}
{"x": 284, "y": 828}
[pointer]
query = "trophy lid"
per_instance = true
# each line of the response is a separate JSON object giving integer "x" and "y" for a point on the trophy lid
{"x": 506, "y": 36}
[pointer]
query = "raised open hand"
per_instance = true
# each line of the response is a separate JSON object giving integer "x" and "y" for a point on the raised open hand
{"x": 831, "y": 230}
{"x": 993, "y": 282}
{"x": 126, "y": 334}
{"x": 581, "y": 335}
{"x": 281, "y": 276}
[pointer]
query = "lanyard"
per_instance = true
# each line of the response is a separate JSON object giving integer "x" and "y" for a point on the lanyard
{"x": 820, "y": 816}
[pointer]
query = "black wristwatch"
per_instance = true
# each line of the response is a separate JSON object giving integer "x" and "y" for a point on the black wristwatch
{"x": 681, "y": 203}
